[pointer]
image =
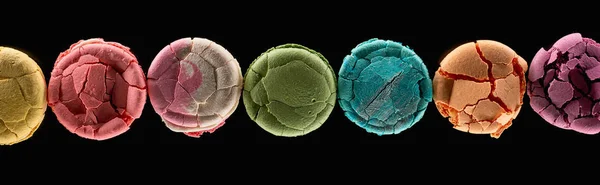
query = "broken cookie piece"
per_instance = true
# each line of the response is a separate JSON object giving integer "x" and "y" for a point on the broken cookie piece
{"x": 479, "y": 87}
{"x": 564, "y": 84}
{"x": 97, "y": 89}
{"x": 383, "y": 87}
{"x": 194, "y": 85}
{"x": 22, "y": 96}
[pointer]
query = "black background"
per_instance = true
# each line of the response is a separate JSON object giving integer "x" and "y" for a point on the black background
{"x": 334, "y": 37}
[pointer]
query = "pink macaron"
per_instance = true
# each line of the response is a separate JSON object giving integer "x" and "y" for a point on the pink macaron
{"x": 97, "y": 89}
{"x": 564, "y": 84}
{"x": 194, "y": 84}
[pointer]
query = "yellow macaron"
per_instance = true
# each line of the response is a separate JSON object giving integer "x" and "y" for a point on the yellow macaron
{"x": 22, "y": 96}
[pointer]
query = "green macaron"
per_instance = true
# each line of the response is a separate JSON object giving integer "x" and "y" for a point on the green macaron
{"x": 289, "y": 90}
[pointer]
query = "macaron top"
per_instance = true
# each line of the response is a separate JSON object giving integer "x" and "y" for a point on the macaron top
{"x": 563, "y": 84}
{"x": 384, "y": 87}
{"x": 480, "y": 87}
{"x": 289, "y": 90}
{"x": 97, "y": 89}
{"x": 22, "y": 96}
{"x": 194, "y": 85}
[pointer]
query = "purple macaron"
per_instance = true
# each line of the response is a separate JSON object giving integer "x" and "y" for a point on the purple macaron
{"x": 564, "y": 84}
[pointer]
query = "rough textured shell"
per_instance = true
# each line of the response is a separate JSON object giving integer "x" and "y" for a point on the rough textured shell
{"x": 22, "y": 96}
{"x": 289, "y": 90}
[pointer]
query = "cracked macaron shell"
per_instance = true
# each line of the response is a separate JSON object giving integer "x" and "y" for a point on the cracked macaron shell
{"x": 564, "y": 84}
{"x": 384, "y": 87}
{"x": 479, "y": 87}
{"x": 22, "y": 96}
{"x": 290, "y": 90}
{"x": 194, "y": 84}
{"x": 97, "y": 89}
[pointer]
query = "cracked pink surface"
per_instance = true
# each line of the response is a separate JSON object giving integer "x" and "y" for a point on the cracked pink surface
{"x": 194, "y": 84}
{"x": 564, "y": 84}
{"x": 97, "y": 89}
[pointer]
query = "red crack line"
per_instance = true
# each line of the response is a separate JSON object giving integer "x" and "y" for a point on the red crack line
{"x": 520, "y": 72}
{"x": 492, "y": 80}
{"x": 460, "y": 76}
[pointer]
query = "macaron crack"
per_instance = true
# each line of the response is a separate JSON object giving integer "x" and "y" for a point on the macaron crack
{"x": 492, "y": 80}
